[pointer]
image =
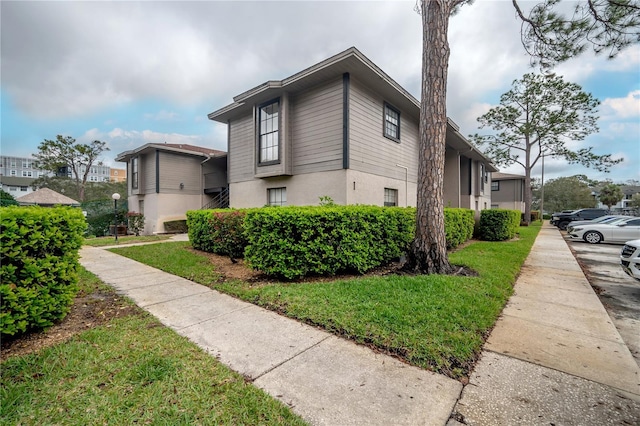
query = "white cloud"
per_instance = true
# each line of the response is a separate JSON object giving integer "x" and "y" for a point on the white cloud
{"x": 626, "y": 107}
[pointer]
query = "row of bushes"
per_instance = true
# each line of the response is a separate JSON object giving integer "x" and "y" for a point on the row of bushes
{"x": 292, "y": 242}
{"x": 499, "y": 224}
{"x": 38, "y": 265}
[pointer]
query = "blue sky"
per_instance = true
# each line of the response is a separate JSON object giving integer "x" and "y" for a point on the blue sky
{"x": 130, "y": 73}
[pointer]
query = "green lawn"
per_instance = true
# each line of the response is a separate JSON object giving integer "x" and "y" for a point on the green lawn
{"x": 435, "y": 322}
{"x": 125, "y": 239}
{"x": 131, "y": 371}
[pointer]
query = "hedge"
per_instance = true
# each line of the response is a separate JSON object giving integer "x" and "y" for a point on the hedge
{"x": 458, "y": 226}
{"x": 291, "y": 242}
{"x": 499, "y": 224}
{"x": 225, "y": 232}
{"x": 219, "y": 231}
{"x": 38, "y": 263}
{"x": 176, "y": 226}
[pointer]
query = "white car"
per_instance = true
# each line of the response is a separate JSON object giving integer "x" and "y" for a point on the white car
{"x": 618, "y": 231}
{"x": 630, "y": 258}
{"x": 601, "y": 219}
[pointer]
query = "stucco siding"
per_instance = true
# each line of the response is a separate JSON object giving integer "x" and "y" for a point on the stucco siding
{"x": 316, "y": 128}
{"x": 303, "y": 189}
{"x": 369, "y": 150}
{"x": 241, "y": 149}
{"x": 160, "y": 208}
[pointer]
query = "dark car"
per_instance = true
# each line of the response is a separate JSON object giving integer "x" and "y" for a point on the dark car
{"x": 561, "y": 220}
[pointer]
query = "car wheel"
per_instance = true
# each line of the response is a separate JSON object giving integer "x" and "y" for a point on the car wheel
{"x": 592, "y": 237}
{"x": 563, "y": 225}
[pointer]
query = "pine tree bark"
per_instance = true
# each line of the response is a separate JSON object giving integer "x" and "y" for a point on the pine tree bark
{"x": 428, "y": 253}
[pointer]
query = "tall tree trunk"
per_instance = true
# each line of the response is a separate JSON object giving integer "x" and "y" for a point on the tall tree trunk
{"x": 527, "y": 181}
{"x": 428, "y": 252}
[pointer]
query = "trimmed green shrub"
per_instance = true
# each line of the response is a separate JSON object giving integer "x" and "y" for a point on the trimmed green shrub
{"x": 218, "y": 231}
{"x": 176, "y": 226}
{"x": 292, "y": 242}
{"x": 38, "y": 264}
{"x": 458, "y": 226}
{"x": 499, "y": 224}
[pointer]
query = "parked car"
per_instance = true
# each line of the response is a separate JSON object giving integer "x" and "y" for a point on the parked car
{"x": 602, "y": 219}
{"x": 630, "y": 258}
{"x": 562, "y": 220}
{"x": 618, "y": 231}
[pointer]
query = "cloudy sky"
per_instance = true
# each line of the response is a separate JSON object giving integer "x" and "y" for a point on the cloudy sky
{"x": 130, "y": 73}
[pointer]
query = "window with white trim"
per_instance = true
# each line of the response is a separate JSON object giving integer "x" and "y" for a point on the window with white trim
{"x": 390, "y": 197}
{"x": 391, "y": 123}
{"x": 268, "y": 132}
{"x": 495, "y": 185}
{"x": 277, "y": 196}
{"x": 27, "y": 173}
{"x": 14, "y": 172}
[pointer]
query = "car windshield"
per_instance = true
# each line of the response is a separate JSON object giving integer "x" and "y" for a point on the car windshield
{"x": 606, "y": 219}
{"x": 620, "y": 220}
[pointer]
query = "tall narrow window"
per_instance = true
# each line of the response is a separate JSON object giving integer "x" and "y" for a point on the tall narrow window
{"x": 134, "y": 173}
{"x": 390, "y": 197}
{"x": 269, "y": 142}
{"x": 391, "y": 123}
{"x": 277, "y": 196}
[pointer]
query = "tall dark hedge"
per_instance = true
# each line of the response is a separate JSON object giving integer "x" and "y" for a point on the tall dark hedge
{"x": 38, "y": 265}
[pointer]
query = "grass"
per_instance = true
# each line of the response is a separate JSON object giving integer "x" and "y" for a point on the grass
{"x": 125, "y": 239}
{"x": 174, "y": 258}
{"x": 434, "y": 322}
{"x": 133, "y": 370}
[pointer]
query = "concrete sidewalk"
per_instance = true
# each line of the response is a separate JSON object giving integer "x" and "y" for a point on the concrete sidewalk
{"x": 554, "y": 356}
{"x": 325, "y": 379}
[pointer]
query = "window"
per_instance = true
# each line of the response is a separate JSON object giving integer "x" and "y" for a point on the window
{"x": 494, "y": 206}
{"x": 14, "y": 172}
{"x": 13, "y": 188}
{"x": 483, "y": 177}
{"x": 23, "y": 188}
{"x": 391, "y": 123}
{"x": 495, "y": 185}
{"x": 26, "y": 164}
{"x": 277, "y": 196}
{"x": 268, "y": 125}
{"x": 27, "y": 173}
{"x": 134, "y": 173}
{"x": 390, "y": 197}
{"x": 13, "y": 163}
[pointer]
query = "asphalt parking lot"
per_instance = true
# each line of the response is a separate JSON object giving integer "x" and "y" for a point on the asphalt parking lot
{"x": 619, "y": 293}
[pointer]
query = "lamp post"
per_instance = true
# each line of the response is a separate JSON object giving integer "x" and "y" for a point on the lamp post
{"x": 115, "y": 197}
{"x": 542, "y": 192}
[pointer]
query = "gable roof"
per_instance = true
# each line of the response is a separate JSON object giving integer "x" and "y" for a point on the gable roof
{"x": 178, "y": 148}
{"x": 506, "y": 176}
{"x": 46, "y": 197}
{"x": 350, "y": 61}
{"x": 355, "y": 63}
